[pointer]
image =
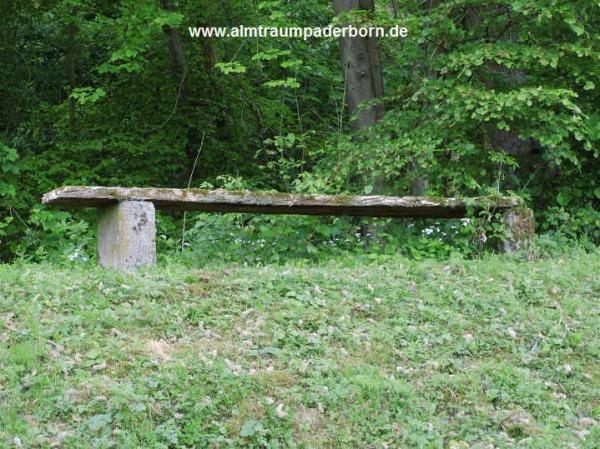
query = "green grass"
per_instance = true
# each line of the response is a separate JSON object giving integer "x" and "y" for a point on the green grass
{"x": 363, "y": 353}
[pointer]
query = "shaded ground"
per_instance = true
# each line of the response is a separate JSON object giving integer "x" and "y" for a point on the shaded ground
{"x": 382, "y": 353}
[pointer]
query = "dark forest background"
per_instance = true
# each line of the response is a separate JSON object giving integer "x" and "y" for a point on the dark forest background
{"x": 482, "y": 97}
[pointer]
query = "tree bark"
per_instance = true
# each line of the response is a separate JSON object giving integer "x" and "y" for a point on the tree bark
{"x": 361, "y": 65}
{"x": 363, "y": 75}
{"x": 499, "y": 75}
{"x": 70, "y": 62}
{"x": 178, "y": 58}
{"x": 421, "y": 182}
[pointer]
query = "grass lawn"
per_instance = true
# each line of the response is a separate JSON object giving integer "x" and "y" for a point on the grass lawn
{"x": 355, "y": 353}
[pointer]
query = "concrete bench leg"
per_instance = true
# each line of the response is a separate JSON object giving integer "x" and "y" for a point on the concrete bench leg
{"x": 127, "y": 235}
{"x": 520, "y": 229}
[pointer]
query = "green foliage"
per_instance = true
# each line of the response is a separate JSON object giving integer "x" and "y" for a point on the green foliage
{"x": 258, "y": 240}
{"x": 230, "y": 67}
{"x": 497, "y": 94}
{"x": 85, "y": 95}
{"x": 579, "y": 223}
{"x": 9, "y": 158}
{"x": 9, "y": 169}
{"x": 481, "y": 95}
{"x": 56, "y": 236}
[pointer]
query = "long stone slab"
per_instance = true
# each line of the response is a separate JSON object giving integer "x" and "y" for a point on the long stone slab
{"x": 226, "y": 201}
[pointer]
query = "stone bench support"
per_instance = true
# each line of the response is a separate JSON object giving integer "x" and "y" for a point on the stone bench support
{"x": 126, "y": 216}
{"x": 519, "y": 228}
{"x": 127, "y": 235}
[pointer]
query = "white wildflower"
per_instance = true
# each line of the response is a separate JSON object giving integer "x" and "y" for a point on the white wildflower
{"x": 99, "y": 367}
{"x": 280, "y": 412}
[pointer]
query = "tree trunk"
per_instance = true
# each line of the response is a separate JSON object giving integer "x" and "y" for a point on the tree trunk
{"x": 178, "y": 58}
{"x": 363, "y": 75}
{"x": 420, "y": 184}
{"x": 70, "y": 62}
{"x": 499, "y": 76}
{"x": 361, "y": 65}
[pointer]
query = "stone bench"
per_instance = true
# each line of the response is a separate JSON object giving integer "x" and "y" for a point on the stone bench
{"x": 126, "y": 236}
